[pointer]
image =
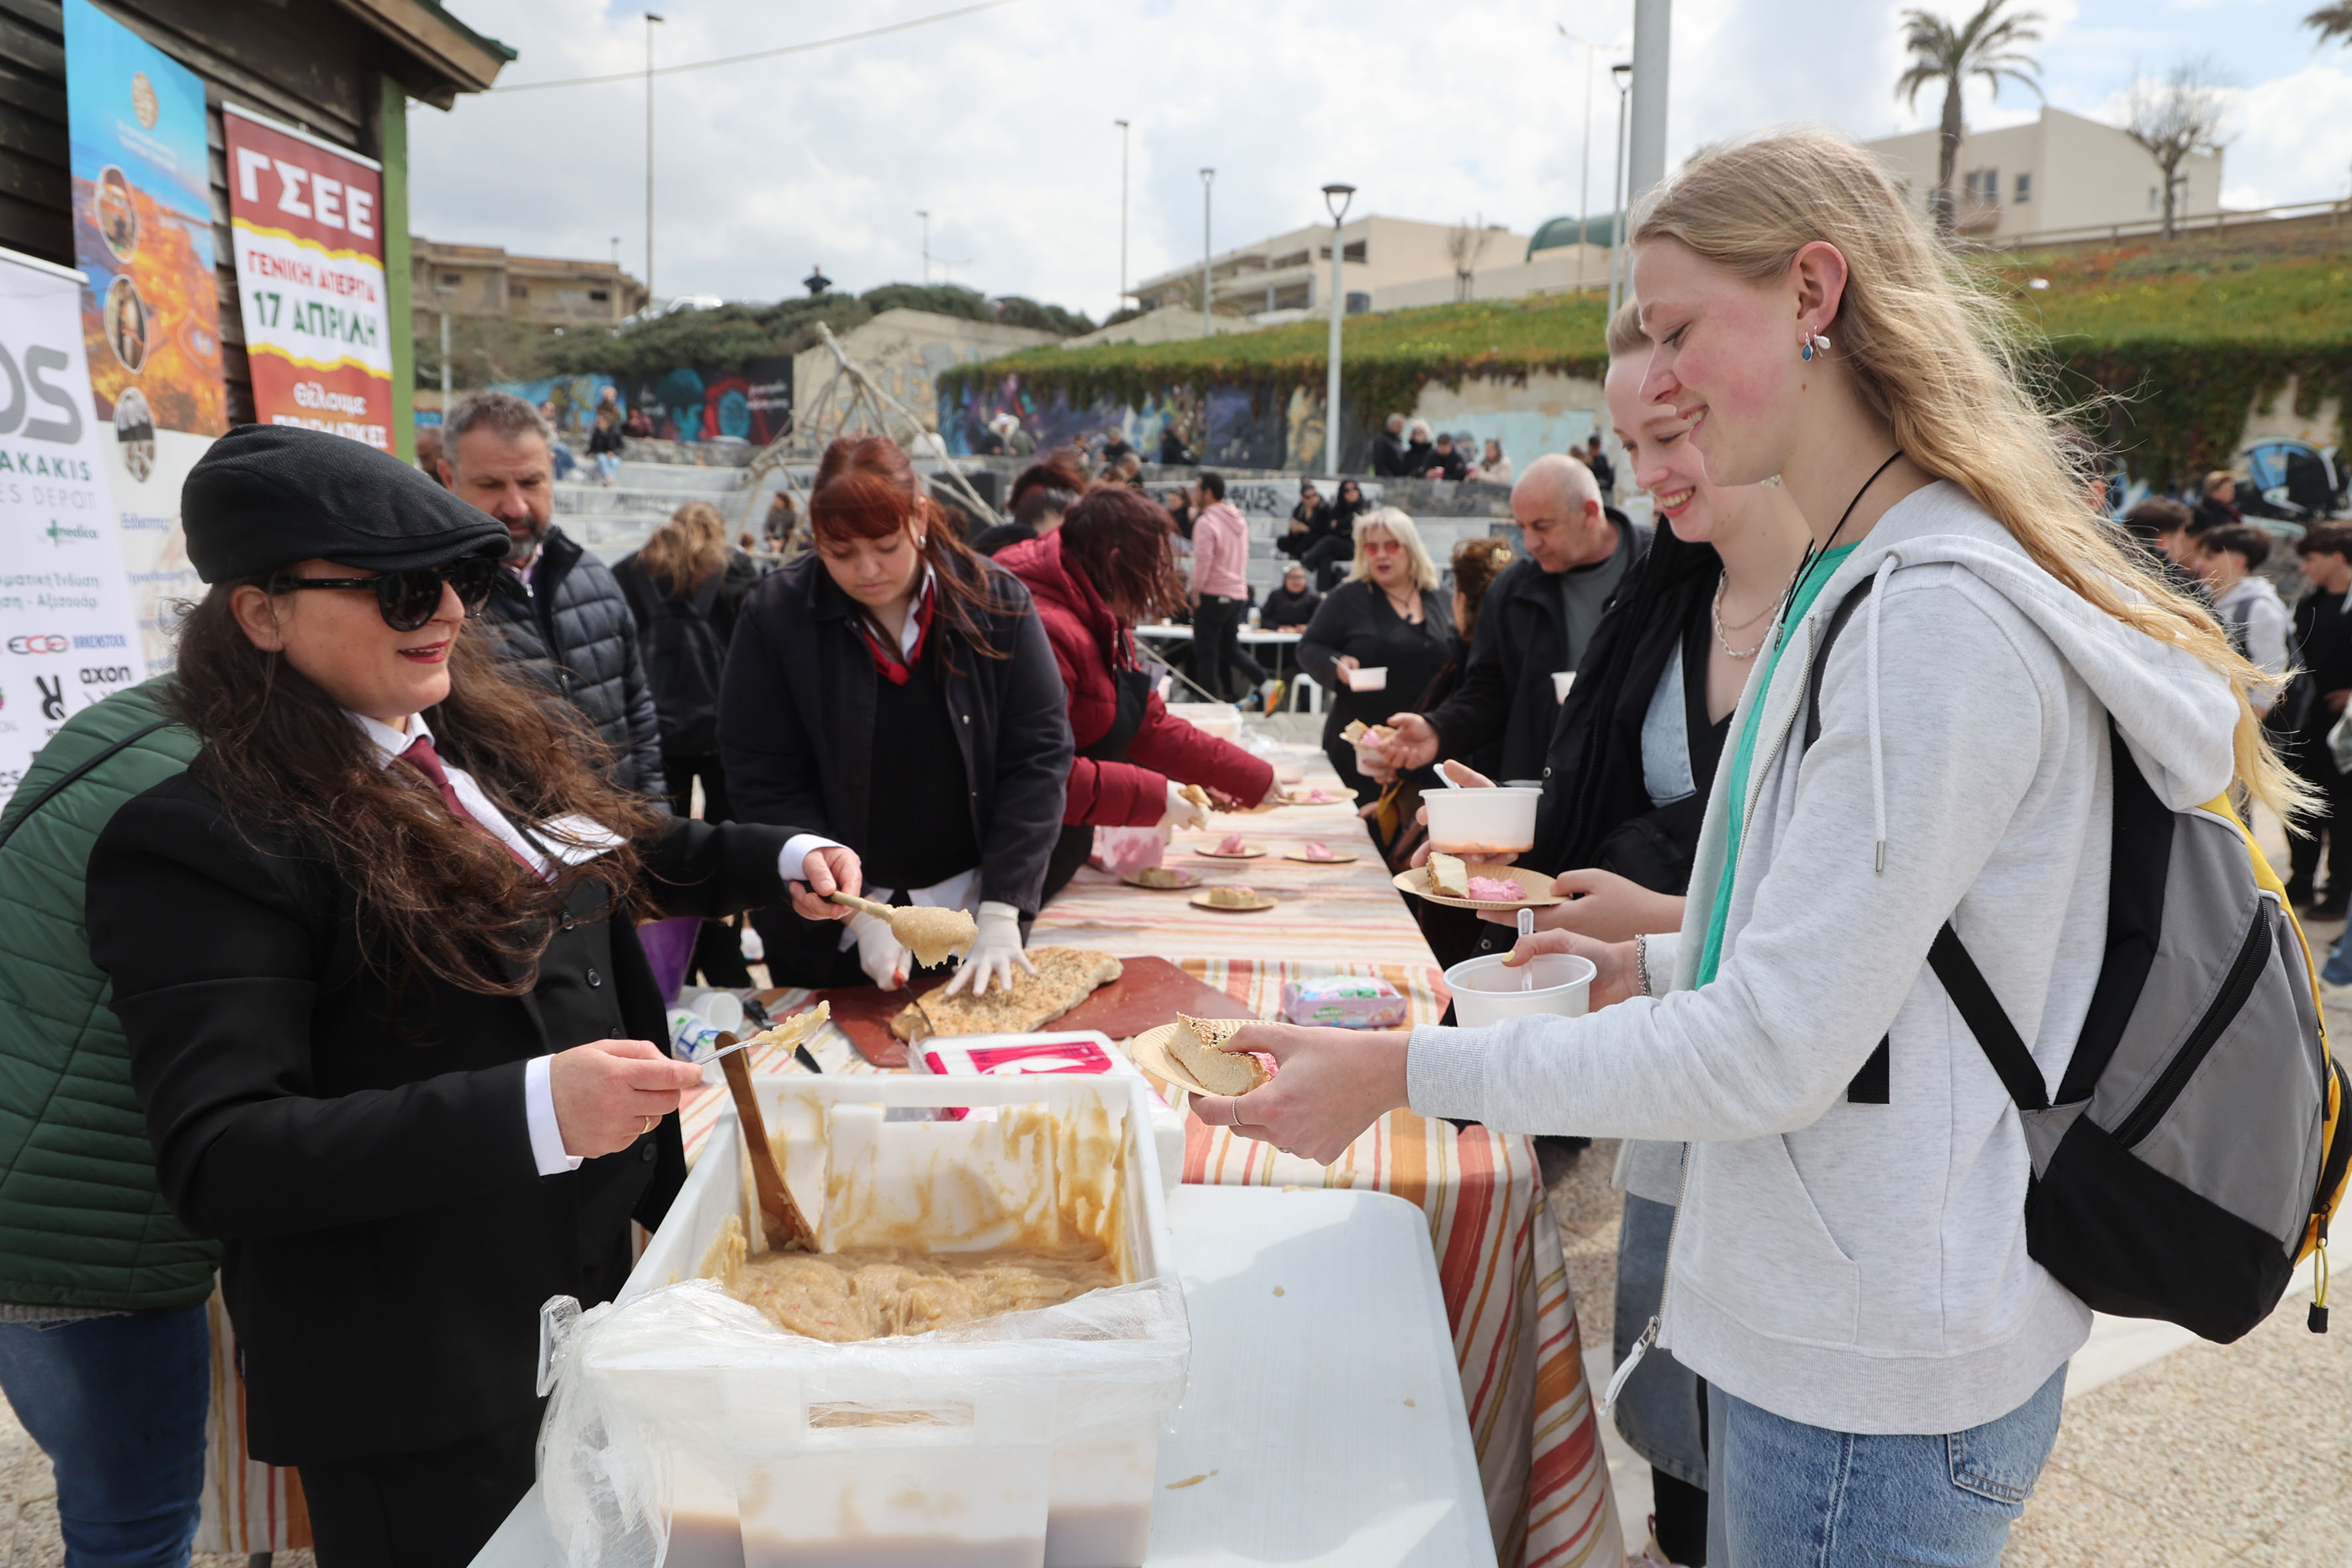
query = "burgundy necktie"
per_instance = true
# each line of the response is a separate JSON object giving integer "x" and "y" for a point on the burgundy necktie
{"x": 421, "y": 756}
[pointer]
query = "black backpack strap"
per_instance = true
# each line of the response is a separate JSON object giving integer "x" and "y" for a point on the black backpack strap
{"x": 1874, "y": 1085}
{"x": 1982, "y": 1011}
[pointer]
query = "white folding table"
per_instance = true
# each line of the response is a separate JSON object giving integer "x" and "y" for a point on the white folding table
{"x": 1323, "y": 1423}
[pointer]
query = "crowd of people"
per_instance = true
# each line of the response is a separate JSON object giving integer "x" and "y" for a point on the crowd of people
{"x": 342, "y": 916}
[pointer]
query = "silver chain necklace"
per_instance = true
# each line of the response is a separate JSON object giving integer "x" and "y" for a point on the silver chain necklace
{"x": 1724, "y": 642}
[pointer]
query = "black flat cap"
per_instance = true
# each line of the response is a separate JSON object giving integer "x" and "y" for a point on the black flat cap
{"x": 266, "y": 495}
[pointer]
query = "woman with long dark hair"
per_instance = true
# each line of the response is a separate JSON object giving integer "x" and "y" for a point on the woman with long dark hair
{"x": 1108, "y": 566}
{"x": 893, "y": 690}
{"x": 375, "y": 955}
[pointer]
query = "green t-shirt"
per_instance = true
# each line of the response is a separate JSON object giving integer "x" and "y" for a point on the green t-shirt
{"x": 1743, "y": 757}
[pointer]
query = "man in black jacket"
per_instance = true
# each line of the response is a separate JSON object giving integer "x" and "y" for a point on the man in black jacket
{"x": 1388, "y": 450}
{"x": 1535, "y": 622}
{"x": 559, "y": 609}
{"x": 2322, "y": 653}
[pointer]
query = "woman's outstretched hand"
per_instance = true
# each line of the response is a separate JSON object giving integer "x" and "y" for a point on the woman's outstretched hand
{"x": 1603, "y": 906}
{"x": 1619, "y": 975}
{"x": 1333, "y": 1084}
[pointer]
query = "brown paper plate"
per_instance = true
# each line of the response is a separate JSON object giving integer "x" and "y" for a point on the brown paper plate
{"x": 1148, "y": 1050}
{"x": 1190, "y": 879}
{"x": 1201, "y": 901}
{"x": 1339, "y": 858}
{"x": 1248, "y": 852}
{"x": 1416, "y": 882}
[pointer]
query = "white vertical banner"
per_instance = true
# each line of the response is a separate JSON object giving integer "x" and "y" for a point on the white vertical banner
{"x": 69, "y": 633}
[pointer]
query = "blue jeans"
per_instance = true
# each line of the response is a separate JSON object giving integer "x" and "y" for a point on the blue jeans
{"x": 2337, "y": 970}
{"x": 1786, "y": 1495}
{"x": 118, "y": 1404}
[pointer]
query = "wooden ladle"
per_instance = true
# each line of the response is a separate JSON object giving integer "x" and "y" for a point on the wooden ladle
{"x": 932, "y": 935}
{"x": 788, "y": 1229}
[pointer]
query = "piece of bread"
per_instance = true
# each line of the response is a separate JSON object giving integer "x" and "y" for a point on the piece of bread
{"x": 1198, "y": 1047}
{"x": 1355, "y": 731}
{"x": 1448, "y": 876}
{"x": 1160, "y": 877}
{"x": 1234, "y": 898}
{"x": 1065, "y": 978}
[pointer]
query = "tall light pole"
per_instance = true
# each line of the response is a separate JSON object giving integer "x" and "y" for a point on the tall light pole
{"x": 442, "y": 291}
{"x": 1208, "y": 180}
{"x": 1584, "y": 185}
{"x": 927, "y": 244}
{"x": 1337, "y": 199}
{"x": 1645, "y": 147}
{"x": 1120, "y": 304}
{"x": 1617, "y": 221}
{"x": 651, "y": 21}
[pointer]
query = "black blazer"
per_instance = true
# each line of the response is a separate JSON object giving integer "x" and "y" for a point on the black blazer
{"x": 796, "y": 725}
{"x": 388, "y": 1236}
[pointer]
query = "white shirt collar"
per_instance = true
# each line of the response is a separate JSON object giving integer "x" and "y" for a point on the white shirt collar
{"x": 389, "y": 741}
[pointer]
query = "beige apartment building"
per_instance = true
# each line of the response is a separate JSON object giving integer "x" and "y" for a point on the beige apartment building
{"x": 478, "y": 281}
{"x": 2059, "y": 173}
{"x": 1292, "y": 271}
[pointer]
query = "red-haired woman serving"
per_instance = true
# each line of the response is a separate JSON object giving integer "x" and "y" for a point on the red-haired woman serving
{"x": 892, "y": 690}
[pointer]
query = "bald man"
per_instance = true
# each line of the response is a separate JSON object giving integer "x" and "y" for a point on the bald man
{"x": 1536, "y": 619}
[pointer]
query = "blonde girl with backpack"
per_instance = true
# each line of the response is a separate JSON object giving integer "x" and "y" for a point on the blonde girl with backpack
{"x": 1849, "y": 1269}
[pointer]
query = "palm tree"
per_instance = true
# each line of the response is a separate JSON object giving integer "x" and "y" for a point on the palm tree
{"x": 1987, "y": 45}
{"x": 2332, "y": 22}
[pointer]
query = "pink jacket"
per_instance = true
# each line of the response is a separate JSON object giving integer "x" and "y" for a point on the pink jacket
{"x": 1220, "y": 552}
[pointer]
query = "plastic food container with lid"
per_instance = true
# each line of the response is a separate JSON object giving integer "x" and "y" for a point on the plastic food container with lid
{"x": 1022, "y": 1441}
{"x": 1482, "y": 824}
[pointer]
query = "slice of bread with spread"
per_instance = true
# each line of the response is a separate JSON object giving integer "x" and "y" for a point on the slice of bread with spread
{"x": 1198, "y": 1045}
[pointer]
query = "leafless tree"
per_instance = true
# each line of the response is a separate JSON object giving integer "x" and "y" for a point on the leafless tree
{"x": 1987, "y": 45}
{"x": 1465, "y": 243}
{"x": 2173, "y": 119}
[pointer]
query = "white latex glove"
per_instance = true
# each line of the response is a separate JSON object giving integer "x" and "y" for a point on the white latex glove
{"x": 993, "y": 952}
{"x": 1181, "y": 811}
{"x": 878, "y": 953}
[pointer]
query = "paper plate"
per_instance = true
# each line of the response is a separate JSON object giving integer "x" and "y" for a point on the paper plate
{"x": 1148, "y": 1050}
{"x": 1201, "y": 901}
{"x": 1416, "y": 882}
{"x": 1339, "y": 858}
{"x": 1190, "y": 879}
{"x": 1248, "y": 852}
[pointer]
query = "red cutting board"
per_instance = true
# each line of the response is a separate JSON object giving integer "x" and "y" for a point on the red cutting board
{"x": 1148, "y": 992}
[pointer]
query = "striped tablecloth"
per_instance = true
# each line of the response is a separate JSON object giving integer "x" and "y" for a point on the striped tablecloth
{"x": 1498, "y": 1262}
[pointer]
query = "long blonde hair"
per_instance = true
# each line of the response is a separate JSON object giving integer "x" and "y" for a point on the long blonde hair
{"x": 1939, "y": 355}
{"x": 1401, "y": 528}
{"x": 688, "y": 551}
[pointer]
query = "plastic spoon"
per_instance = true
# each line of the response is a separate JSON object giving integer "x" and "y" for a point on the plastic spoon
{"x": 1527, "y": 929}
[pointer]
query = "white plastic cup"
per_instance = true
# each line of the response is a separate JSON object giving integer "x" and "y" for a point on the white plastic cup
{"x": 1561, "y": 679}
{"x": 1373, "y": 679}
{"x": 1487, "y": 991}
{"x": 723, "y": 1009}
{"x": 1482, "y": 824}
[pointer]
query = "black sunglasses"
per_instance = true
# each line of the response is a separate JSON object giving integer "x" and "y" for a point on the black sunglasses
{"x": 409, "y": 599}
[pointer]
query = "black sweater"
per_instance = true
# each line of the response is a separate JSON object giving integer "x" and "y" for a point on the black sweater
{"x": 1356, "y": 618}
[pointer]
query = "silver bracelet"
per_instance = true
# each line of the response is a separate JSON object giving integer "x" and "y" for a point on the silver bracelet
{"x": 1642, "y": 963}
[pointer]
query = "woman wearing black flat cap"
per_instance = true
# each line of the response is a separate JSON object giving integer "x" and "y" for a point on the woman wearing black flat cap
{"x": 375, "y": 954}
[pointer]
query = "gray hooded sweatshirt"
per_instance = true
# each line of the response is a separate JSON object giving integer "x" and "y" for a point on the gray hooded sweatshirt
{"x": 1857, "y": 1267}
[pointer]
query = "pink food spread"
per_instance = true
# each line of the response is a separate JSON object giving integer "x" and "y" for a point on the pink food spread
{"x": 1232, "y": 844}
{"x": 1318, "y": 852}
{"x": 1317, "y": 797}
{"x": 1497, "y": 890}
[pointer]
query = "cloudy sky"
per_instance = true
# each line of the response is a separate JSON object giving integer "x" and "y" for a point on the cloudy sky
{"x": 1000, "y": 124}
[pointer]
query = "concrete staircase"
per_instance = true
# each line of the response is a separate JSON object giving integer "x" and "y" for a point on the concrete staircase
{"x": 614, "y": 522}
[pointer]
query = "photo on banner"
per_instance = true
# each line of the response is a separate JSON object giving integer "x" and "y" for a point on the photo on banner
{"x": 68, "y": 633}
{"x": 309, "y": 278}
{"x": 142, "y": 231}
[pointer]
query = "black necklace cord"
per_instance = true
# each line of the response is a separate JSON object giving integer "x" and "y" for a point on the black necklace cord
{"x": 1814, "y": 552}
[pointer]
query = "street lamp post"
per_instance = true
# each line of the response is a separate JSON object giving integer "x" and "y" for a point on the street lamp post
{"x": 1208, "y": 181}
{"x": 1624, "y": 73}
{"x": 651, "y": 19}
{"x": 1584, "y": 185}
{"x": 1337, "y": 198}
{"x": 927, "y": 244}
{"x": 442, "y": 292}
{"x": 1120, "y": 303}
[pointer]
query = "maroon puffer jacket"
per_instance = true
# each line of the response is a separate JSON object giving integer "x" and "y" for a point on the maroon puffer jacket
{"x": 1088, "y": 643}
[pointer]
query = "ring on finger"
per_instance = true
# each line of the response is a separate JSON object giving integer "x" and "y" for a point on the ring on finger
{"x": 649, "y": 1126}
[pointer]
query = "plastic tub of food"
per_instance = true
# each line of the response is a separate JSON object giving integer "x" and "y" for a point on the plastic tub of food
{"x": 1482, "y": 824}
{"x": 1487, "y": 991}
{"x": 1375, "y": 679}
{"x": 1022, "y": 1440}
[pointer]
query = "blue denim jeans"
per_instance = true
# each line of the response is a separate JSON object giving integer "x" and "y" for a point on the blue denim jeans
{"x": 2337, "y": 970}
{"x": 1786, "y": 1495}
{"x": 118, "y": 1404}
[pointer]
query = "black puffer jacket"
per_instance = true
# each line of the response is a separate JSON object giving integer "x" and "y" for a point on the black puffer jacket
{"x": 572, "y": 630}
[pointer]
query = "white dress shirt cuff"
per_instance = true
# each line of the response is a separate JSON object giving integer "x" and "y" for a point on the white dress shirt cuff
{"x": 539, "y": 1111}
{"x": 793, "y": 864}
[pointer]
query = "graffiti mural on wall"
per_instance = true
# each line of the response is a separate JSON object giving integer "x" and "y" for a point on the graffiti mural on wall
{"x": 907, "y": 370}
{"x": 753, "y": 405}
{"x": 572, "y": 398}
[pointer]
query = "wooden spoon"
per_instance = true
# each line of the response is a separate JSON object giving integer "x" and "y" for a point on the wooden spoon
{"x": 788, "y": 1229}
{"x": 932, "y": 935}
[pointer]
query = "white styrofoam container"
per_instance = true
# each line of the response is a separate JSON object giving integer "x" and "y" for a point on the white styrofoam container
{"x": 983, "y": 1484}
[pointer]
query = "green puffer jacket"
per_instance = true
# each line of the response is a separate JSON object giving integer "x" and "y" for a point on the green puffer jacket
{"x": 81, "y": 1224}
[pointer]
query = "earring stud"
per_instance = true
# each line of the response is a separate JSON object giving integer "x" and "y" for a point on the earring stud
{"x": 1810, "y": 343}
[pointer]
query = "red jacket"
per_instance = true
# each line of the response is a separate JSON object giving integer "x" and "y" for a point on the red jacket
{"x": 1088, "y": 643}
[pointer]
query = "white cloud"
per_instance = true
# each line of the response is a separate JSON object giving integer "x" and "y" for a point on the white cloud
{"x": 1000, "y": 125}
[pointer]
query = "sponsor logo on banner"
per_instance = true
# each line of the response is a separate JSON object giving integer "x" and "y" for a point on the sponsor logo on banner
{"x": 310, "y": 270}
{"x": 40, "y": 642}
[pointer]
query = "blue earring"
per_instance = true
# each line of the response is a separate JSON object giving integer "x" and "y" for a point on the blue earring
{"x": 1806, "y": 351}
{"x": 1812, "y": 341}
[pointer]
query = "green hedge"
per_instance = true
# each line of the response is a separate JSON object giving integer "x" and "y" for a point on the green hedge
{"x": 2183, "y": 348}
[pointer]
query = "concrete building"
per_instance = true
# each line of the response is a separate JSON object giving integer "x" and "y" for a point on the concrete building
{"x": 483, "y": 281}
{"x": 903, "y": 351}
{"x": 2054, "y": 176}
{"x": 1292, "y": 271}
